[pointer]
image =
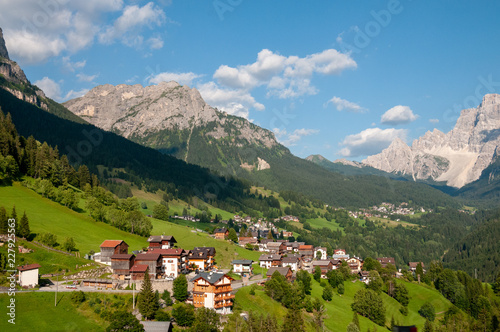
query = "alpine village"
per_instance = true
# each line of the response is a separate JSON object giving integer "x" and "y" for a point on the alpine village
{"x": 143, "y": 208}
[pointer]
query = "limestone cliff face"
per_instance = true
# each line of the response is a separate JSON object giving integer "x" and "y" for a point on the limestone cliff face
{"x": 457, "y": 157}
{"x": 175, "y": 119}
{"x": 13, "y": 79}
{"x": 3, "y": 48}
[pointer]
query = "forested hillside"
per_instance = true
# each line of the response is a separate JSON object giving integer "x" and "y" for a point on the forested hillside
{"x": 478, "y": 252}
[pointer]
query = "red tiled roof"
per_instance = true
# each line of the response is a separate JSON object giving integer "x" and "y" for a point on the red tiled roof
{"x": 148, "y": 257}
{"x": 28, "y": 267}
{"x": 122, "y": 256}
{"x": 139, "y": 268}
{"x": 306, "y": 247}
{"x": 111, "y": 243}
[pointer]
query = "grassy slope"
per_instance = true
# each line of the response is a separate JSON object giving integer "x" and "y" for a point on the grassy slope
{"x": 338, "y": 311}
{"x": 36, "y": 312}
{"x": 48, "y": 216}
{"x": 52, "y": 262}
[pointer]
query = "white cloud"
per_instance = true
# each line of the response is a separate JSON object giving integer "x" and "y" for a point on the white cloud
{"x": 370, "y": 141}
{"x": 181, "y": 78}
{"x": 155, "y": 43}
{"x": 50, "y": 87}
{"x": 235, "y": 102}
{"x": 398, "y": 115}
{"x": 75, "y": 94}
{"x": 72, "y": 66}
{"x": 285, "y": 77}
{"x": 434, "y": 120}
{"x": 342, "y": 104}
{"x": 37, "y": 30}
{"x": 127, "y": 26}
{"x": 291, "y": 139}
{"x": 86, "y": 78}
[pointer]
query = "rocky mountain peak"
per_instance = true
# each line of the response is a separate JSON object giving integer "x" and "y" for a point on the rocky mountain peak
{"x": 175, "y": 119}
{"x": 457, "y": 157}
{"x": 3, "y": 48}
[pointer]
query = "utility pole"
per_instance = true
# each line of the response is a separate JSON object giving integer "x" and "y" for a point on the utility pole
{"x": 57, "y": 286}
{"x": 133, "y": 296}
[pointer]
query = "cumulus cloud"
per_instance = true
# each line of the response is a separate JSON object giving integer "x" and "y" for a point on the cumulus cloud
{"x": 370, "y": 141}
{"x": 235, "y": 102}
{"x": 133, "y": 18}
{"x": 284, "y": 77}
{"x": 181, "y": 78}
{"x": 342, "y": 104}
{"x": 398, "y": 115}
{"x": 37, "y": 30}
{"x": 51, "y": 88}
{"x": 434, "y": 120}
{"x": 291, "y": 139}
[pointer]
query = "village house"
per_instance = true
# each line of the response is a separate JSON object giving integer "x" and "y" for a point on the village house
{"x": 110, "y": 248}
{"x": 161, "y": 241}
{"x": 263, "y": 244}
{"x": 284, "y": 271}
{"x": 221, "y": 233}
{"x": 242, "y": 266}
{"x": 320, "y": 252}
{"x": 173, "y": 261}
{"x": 201, "y": 258}
{"x": 355, "y": 264}
{"x": 293, "y": 247}
{"x": 340, "y": 254}
{"x": 276, "y": 247}
{"x": 307, "y": 251}
{"x": 244, "y": 240}
{"x": 271, "y": 260}
{"x": 386, "y": 260}
{"x": 213, "y": 291}
{"x": 293, "y": 261}
{"x": 413, "y": 266}
{"x": 121, "y": 265}
{"x": 153, "y": 261}
{"x": 324, "y": 265}
{"x": 287, "y": 234}
{"x": 336, "y": 263}
{"x": 28, "y": 275}
{"x": 138, "y": 271}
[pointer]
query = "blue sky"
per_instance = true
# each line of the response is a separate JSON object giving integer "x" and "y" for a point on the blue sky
{"x": 337, "y": 78}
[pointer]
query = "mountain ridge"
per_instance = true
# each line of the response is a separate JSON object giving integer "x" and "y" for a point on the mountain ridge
{"x": 457, "y": 157}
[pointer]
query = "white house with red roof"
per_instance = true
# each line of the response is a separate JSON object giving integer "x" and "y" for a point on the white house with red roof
{"x": 28, "y": 275}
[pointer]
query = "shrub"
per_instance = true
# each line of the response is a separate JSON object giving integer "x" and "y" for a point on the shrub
{"x": 427, "y": 311}
{"x": 77, "y": 297}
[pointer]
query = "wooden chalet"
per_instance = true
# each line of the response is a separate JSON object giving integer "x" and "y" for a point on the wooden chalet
{"x": 284, "y": 271}
{"x": 161, "y": 241}
{"x": 221, "y": 233}
{"x": 202, "y": 258}
{"x": 268, "y": 261}
{"x": 153, "y": 261}
{"x": 121, "y": 264}
{"x": 213, "y": 290}
{"x": 110, "y": 248}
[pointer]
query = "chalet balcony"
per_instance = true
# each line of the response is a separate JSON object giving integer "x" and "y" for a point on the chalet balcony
{"x": 223, "y": 290}
{"x": 224, "y": 297}
{"x": 222, "y": 305}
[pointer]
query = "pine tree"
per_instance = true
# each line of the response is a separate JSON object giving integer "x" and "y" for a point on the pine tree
{"x": 180, "y": 288}
{"x": 24, "y": 226}
{"x": 428, "y": 326}
{"x": 3, "y": 220}
{"x": 147, "y": 301}
{"x": 294, "y": 322}
{"x": 355, "y": 320}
